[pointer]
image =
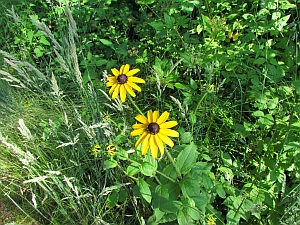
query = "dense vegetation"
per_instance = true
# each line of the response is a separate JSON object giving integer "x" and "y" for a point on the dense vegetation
{"x": 226, "y": 71}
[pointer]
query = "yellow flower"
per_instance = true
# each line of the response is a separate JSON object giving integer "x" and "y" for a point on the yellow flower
{"x": 154, "y": 131}
{"x": 96, "y": 149}
{"x": 210, "y": 220}
{"x": 123, "y": 81}
{"x": 111, "y": 150}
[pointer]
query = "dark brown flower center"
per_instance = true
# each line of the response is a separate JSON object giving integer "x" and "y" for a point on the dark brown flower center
{"x": 153, "y": 128}
{"x": 122, "y": 79}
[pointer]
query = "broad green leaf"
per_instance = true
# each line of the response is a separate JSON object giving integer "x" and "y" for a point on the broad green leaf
{"x": 38, "y": 51}
{"x": 259, "y": 61}
{"x": 144, "y": 189}
{"x": 30, "y": 36}
{"x": 183, "y": 218}
{"x": 190, "y": 187}
{"x": 182, "y": 86}
{"x": 147, "y": 169}
{"x": 192, "y": 118}
{"x": 258, "y": 113}
{"x": 132, "y": 169}
{"x": 220, "y": 191}
{"x": 108, "y": 43}
{"x": 186, "y": 137}
{"x": 44, "y": 41}
{"x": 157, "y": 25}
{"x": 186, "y": 158}
{"x": 226, "y": 159}
{"x": 193, "y": 84}
{"x": 169, "y": 20}
{"x": 206, "y": 181}
{"x": 109, "y": 164}
{"x": 193, "y": 213}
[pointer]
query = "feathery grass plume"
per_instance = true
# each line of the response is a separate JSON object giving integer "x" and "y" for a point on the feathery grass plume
{"x": 11, "y": 13}
{"x": 26, "y": 158}
{"x": 6, "y": 100}
{"x": 12, "y": 80}
{"x": 25, "y": 131}
{"x": 47, "y": 32}
{"x": 72, "y": 46}
{"x": 183, "y": 111}
{"x": 56, "y": 92}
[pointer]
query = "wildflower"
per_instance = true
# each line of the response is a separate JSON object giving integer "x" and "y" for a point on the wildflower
{"x": 26, "y": 103}
{"x": 154, "y": 131}
{"x": 123, "y": 81}
{"x": 210, "y": 220}
{"x": 111, "y": 150}
{"x": 96, "y": 149}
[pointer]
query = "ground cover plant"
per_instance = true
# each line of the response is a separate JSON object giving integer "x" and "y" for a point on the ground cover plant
{"x": 151, "y": 112}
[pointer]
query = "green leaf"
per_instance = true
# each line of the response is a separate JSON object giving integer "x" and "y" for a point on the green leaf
{"x": 157, "y": 25}
{"x": 186, "y": 158}
{"x": 108, "y": 43}
{"x": 109, "y": 164}
{"x": 220, "y": 191}
{"x": 132, "y": 169}
{"x": 258, "y": 113}
{"x": 147, "y": 169}
{"x": 38, "y": 51}
{"x": 193, "y": 213}
{"x": 259, "y": 61}
{"x": 226, "y": 159}
{"x": 169, "y": 20}
{"x": 189, "y": 186}
{"x": 144, "y": 189}
{"x": 182, "y": 86}
{"x": 193, "y": 84}
{"x": 192, "y": 118}
{"x": 186, "y": 137}
{"x": 44, "y": 41}
{"x": 183, "y": 218}
{"x": 30, "y": 36}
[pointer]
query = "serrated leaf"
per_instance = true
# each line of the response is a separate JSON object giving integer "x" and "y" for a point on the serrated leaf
{"x": 186, "y": 158}
{"x": 144, "y": 189}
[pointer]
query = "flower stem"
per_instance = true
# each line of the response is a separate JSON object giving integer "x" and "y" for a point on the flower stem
{"x": 173, "y": 162}
{"x": 137, "y": 108}
{"x": 200, "y": 101}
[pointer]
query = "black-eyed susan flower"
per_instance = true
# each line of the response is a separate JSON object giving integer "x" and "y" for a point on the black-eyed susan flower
{"x": 123, "y": 81}
{"x": 154, "y": 131}
{"x": 210, "y": 220}
{"x": 96, "y": 149}
{"x": 111, "y": 150}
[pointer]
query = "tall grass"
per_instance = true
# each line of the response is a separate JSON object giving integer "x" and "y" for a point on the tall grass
{"x": 56, "y": 172}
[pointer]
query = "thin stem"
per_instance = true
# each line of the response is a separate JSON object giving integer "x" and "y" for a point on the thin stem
{"x": 200, "y": 101}
{"x": 173, "y": 162}
{"x": 137, "y": 108}
{"x": 164, "y": 175}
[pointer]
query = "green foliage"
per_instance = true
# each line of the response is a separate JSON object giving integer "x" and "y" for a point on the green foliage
{"x": 227, "y": 73}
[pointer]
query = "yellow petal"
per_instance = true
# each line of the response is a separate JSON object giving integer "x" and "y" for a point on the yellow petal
{"x": 132, "y": 72}
{"x": 166, "y": 139}
{"x": 116, "y": 91}
{"x": 169, "y": 132}
{"x": 168, "y": 124}
{"x": 145, "y": 146}
{"x": 153, "y": 147}
{"x": 141, "y": 139}
{"x": 115, "y": 72}
{"x": 150, "y": 116}
{"x": 133, "y": 85}
{"x": 112, "y": 78}
{"x": 137, "y": 132}
{"x": 136, "y": 80}
{"x": 163, "y": 118}
{"x": 129, "y": 89}
{"x": 122, "y": 69}
{"x": 159, "y": 144}
{"x": 123, "y": 93}
{"x": 126, "y": 69}
{"x": 139, "y": 126}
{"x": 155, "y": 116}
{"x": 108, "y": 84}
{"x": 112, "y": 88}
{"x": 142, "y": 119}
